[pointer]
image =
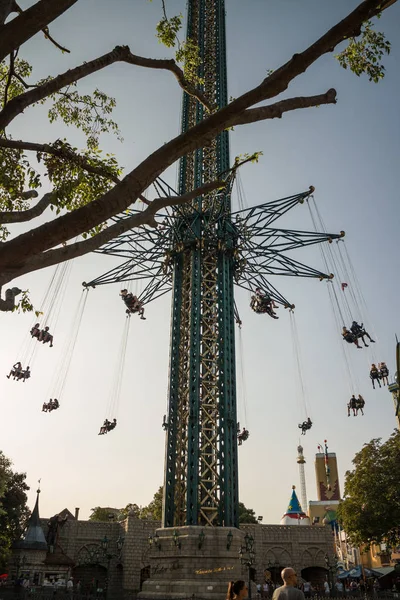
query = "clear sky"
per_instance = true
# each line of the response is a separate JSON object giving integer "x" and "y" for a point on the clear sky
{"x": 349, "y": 152}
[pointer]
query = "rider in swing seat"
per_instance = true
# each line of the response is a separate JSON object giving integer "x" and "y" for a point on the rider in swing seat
{"x": 305, "y": 426}
{"x": 384, "y": 373}
{"x": 133, "y": 304}
{"x": 35, "y": 331}
{"x": 350, "y": 338}
{"x": 374, "y": 375}
{"x": 242, "y": 436}
{"x": 360, "y": 404}
{"x": 359, "y": 332}
{"x": 15, "y": 371}
{"x": 352, "y": 405}
{"x": 45, "y": 336}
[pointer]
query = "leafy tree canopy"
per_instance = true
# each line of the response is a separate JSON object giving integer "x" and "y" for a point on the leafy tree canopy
{"x": 246, "y": 515}
{"x": 370, "y": 511}
{"x": 14, "y": 512}
{"x": 151, "y": 511}
{"x": 84, "y": 186}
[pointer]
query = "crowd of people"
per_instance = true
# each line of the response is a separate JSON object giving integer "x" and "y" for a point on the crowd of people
{"x": 293, "y": 589}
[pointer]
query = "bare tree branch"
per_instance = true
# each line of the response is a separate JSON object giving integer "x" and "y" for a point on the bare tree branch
{"x": 6, "y": 8}
{"x": 30, "y": 22}
{"x": 62, "y": 153}
{"x": 276, "y": 110}
{"x": 145, "y": 217}
{"x": 29, "y": 246}
{"x": 53, "y": 41}
{"x": 21, "y": 216}
{"x": 120, "y": 54}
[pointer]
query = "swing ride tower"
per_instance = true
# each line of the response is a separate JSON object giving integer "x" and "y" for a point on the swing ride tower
{"x": 201, "y": 478}
{"x": 202, "y": 249}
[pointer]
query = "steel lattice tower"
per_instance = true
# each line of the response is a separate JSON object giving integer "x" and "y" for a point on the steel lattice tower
{"x": 201, "y": 480}
{"x": 200, "y": 252}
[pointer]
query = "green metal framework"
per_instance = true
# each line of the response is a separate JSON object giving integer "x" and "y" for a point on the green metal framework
{"x": 200, "y": 252}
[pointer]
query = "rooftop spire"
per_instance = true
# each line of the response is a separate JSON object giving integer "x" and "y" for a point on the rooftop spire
{"x": 34, "y": 537}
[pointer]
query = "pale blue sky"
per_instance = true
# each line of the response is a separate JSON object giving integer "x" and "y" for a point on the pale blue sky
{"x": 349, "y": 152}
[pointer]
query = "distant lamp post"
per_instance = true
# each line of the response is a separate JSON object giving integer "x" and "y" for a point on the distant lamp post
{"x": 332, "y": 572}
{"x": 272, "y": 567}
{"x": 247, "y": 556}
{"x": 154, "y": 540}
{"x": 202, "y": 536}
{"x": 259, "y": 519}
{"x": 19, "y": 562}
{"x": 176, "y": 540}
{"x": 108, "y": 554}
{"x": 229, "y": 539}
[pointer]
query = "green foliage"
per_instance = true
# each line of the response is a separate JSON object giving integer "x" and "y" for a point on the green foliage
{"x": 364, "y": 55}
{"x": 167, "y": 30}
{"x": 21, "y": 70}
{"x": 74, "y": 184}
{"x": 14, "y": 512}
{"x": 246, "y": 515}
{"x": 85, "y": 112}
{"x": 25, "y": 305}
{"x": 188, "y": 53}
{"x": 103, "y": 514}
{"x": 154, "y": 509}
{"x": 370, "y": 512}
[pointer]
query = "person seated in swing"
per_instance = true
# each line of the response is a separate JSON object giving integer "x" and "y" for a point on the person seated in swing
{"x": 359, "y": 332}
{"x": 133, "y": 304}
{"x": 305, "y": 426}
{"x": 384, "y": 373}
{"x": 53, "y": 404}
{"x": 15, "y": 371}
{"x": 352, "y": 405}
{"x": 45, "y": 336}
{"x": 35, "y": 331}
{"x": 242, "y": 436}
{"x": 105, "y": 427}
{"x": 262, "y": 302}
{"x": 45, "y": 407}
{"x": 374, "y": 375}
{"x": 112, "y": 425}
{"x": 360, "y": 403}
{"x": 350, "y": 337}
{"x": 25, "y": 374}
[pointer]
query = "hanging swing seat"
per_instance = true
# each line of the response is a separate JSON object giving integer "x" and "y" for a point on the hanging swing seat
{"x": 133, "y": 304}
{"x": 263, "y": 305}
{"x": 243, "y": 436}
{"x": 305, "y": 426}
{"x": 108, "y": 426}
{"x": 51, "y": 405}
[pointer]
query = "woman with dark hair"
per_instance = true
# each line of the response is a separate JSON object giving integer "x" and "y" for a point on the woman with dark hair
{"x": 237, "y": 590}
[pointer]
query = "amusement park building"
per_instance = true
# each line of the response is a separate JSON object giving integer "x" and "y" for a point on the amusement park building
{"x": 78, "y": 551}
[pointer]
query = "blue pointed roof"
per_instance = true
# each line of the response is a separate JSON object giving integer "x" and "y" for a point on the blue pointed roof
{"x": 34, "y": 537}
{"x": 294, "y": 507}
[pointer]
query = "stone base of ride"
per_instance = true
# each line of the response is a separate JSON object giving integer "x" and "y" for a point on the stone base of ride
{"x": 185, "y": 564}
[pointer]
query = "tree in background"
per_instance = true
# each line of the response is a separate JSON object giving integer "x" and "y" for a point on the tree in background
{"x": 85, "y": 186}
{"x": 370, "y": 511}
{"x": 246, "y": 515}
{"x": 153, "y": 511}
{"x": 14, "y": 512}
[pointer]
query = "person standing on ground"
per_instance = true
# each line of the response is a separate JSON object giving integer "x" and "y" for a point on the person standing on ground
{"x": 237, "y": 590}
{"x": 288, "y": 591}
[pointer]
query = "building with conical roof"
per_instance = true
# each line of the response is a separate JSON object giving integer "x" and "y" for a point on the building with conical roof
{"x": 294, "y": 514}
{"x": 34, "y": 538}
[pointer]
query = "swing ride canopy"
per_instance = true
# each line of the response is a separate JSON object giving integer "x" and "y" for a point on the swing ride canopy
{"x": 199, "y": 252}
